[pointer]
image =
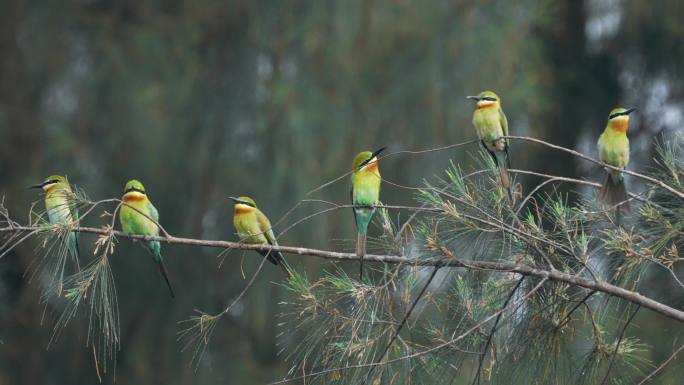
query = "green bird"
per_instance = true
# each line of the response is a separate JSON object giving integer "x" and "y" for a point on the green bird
{"x": 134, "y": 222}
{"x": 253, "y": 227}
{"x": 613, "y": 149}
{"x": 60, "y": 208}
{"x": 491, "y": 125}
{"x": 365, "y": 193}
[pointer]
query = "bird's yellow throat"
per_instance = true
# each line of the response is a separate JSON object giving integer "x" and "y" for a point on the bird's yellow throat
{"x": 485, "y": 104}
{"x": 371, "y": 166}
{"x": 243, "y": 209}
{"x": 134, "y": 196}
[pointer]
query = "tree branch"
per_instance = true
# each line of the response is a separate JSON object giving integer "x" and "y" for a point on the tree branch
{"x": 449, "y": 260}
{"x": 590, "y": 159}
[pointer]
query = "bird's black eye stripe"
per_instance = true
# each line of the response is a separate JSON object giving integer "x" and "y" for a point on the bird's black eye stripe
{"x": 615, "y": 115}
{"x": 134, "y": 189}
{"x": 489, "y": 99}
{"x": 365, "y": 162}
{"x": 245, "y": 203}
{"x": 374, "y": 154}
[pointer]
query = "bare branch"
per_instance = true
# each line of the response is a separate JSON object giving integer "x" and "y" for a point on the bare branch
{"x": 448, "y": 261}
{"x": 586, "y": 157}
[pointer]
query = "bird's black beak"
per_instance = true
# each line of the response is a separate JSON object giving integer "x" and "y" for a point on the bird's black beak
{"x": 373, "y": 155}
{"x": 377, "y": 152}
{"x": 475, "y": 98}
{"x": 630, "y": 110}
{"x": 235, "y": 200}
{"x": 39, "y": 185}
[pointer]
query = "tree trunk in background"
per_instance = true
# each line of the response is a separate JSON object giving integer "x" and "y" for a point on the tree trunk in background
{"x": 561, "y": 120}
{"x": 20, "y": 328}
{"x": 580, "y": 89}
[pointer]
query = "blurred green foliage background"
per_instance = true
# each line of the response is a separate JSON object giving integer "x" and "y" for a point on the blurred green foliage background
{"x": 205, "y": 99}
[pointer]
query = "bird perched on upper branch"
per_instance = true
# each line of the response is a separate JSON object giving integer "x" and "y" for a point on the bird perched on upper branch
{"x": 253, "y": 227}
{"x": 365, "y": 193}
{"x": 60, "y": 206}
{"x": 613, "y": 149}
{"x": 491, "y": 126}
{"x": 138, "y": 216}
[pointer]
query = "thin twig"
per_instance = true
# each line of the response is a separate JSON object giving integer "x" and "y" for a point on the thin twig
{"x": 449, "y": 261}
{"x": 422, "y": 352}
{"x": 617, "y": 345}
{"x": 586, "y": 157}
{"x": 483, "y": 355}
{"x": 402, "y": 323}
{"x": 566, "y": 319}
{"x": 661, "y": 366}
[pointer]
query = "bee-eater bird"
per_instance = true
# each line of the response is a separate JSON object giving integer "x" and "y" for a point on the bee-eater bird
{"x": 138, "y": 216}
{"x": 61, "y": 209}
{"x": 253, "y": 227}
{"x": 491, "y": 125}
{"x": 613, "y": 149}
{"x": 365, "y": 194}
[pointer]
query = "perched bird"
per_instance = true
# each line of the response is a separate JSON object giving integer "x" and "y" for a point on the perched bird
{"x": 253, "y": 227}
{"x": 135, "y": 219}
{"x": 613, "y": 149}
{"x": 365, "y": 193}
{"x": 491, "y": 125}
{"x": 60, "y": 208}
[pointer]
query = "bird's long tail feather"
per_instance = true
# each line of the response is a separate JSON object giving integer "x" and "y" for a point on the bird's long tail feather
{"x": 155, "y": 248}
{"x": 361, "y": 251}
{"x": 363, "y": 217}
{"x": 72, "y": 245}
{"x": 613, "y": 193}
{"x": 165, "y": 274}
{"x": 276, "y": 258}
{"x": 502, "y": 164}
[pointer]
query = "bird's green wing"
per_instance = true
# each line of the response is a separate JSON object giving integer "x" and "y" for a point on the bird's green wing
{"x": 153, "y": 213}
{"x": 266, "y": 228}
{"x": 504, "y": 127}
{"x": 351, "y": 199}
{"x": 72, "y": 206}
{"x": 504, "y": 122}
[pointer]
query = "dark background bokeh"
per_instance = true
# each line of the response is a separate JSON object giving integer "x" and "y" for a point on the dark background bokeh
{"x": 204, "y": 99}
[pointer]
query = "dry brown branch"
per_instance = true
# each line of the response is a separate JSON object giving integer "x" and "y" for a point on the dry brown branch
{"x": 446, "y": 261}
